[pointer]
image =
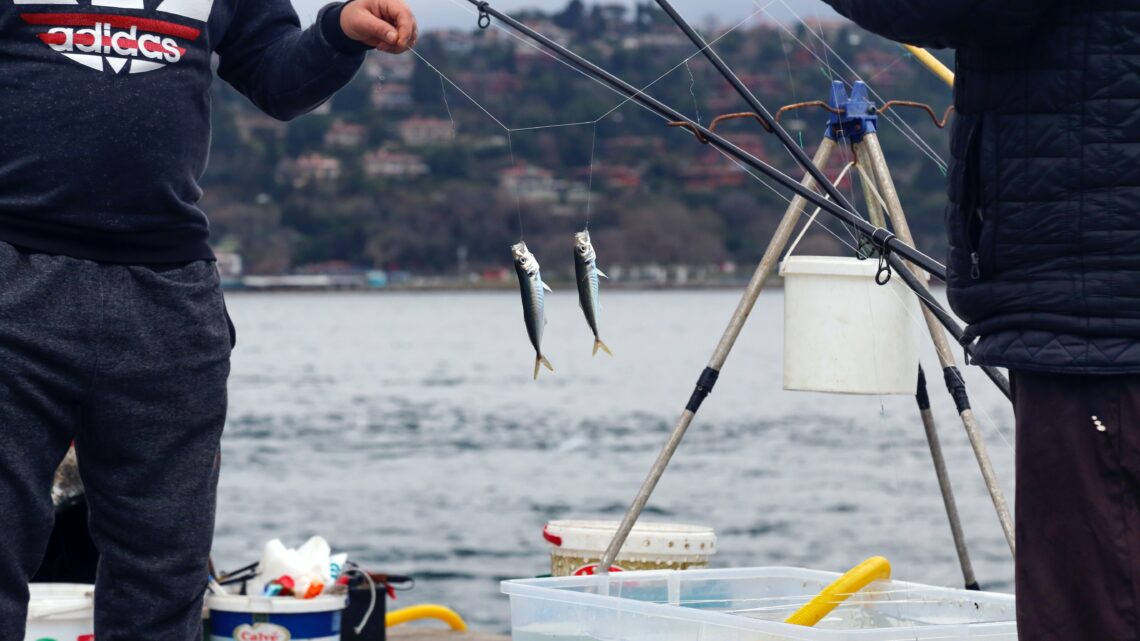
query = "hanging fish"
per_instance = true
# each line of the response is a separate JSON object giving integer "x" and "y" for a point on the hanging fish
{"x": 587, "y": 272}
{"x": 533, "y": 299}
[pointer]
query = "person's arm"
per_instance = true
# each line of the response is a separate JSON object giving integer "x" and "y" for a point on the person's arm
{"x": 287, "y": 71}
{"x": 947, "y": 23}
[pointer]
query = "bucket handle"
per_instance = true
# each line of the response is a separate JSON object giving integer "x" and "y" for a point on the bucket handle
{"x": 811, "y": 219}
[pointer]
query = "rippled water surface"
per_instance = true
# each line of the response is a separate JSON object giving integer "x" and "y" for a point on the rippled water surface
{"x": 406, "y": 429}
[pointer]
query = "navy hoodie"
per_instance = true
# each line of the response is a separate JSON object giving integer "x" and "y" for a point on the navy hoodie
{"x": 105, "y": 113}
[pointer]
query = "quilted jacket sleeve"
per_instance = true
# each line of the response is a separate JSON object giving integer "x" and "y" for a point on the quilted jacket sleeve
{"x": 947, "y": 23}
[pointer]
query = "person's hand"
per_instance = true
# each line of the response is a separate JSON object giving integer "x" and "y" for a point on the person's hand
{"x": 387, "y": 25}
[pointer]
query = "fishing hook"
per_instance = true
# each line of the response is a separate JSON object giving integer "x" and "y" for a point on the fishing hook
{"x": 941, "y": 124}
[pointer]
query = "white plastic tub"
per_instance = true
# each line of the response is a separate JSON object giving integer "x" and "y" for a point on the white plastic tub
{"x": 63, "y": 611}
{"x": 843, "y": 332}
{"x": 262, "y": 618}
{"x": 578, "y": 546}
{"x": 746, "y": 604}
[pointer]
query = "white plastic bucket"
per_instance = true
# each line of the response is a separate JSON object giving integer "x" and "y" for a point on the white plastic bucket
{"x": 578, "y": 546}
{"x": 843, "y": 332}
{"x": 61, "y": 612}
{"x": 263, "y": 618}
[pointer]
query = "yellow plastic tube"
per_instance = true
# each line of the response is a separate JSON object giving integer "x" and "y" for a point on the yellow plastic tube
{"x": 426, "y": 611}
{"x": 932, "y": 63}
{"x": 873, "y": 569}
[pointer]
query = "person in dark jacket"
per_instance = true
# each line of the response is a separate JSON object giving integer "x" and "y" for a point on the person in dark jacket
{"x": 113, "y": 331}
{"x": 1044, "y": 265}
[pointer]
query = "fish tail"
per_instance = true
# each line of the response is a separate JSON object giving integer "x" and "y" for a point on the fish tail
{"x": 540, "y": 360}
{"x": 598, "y": 343}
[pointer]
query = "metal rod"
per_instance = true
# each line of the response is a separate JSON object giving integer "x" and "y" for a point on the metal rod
{"x": 870, "y": 148}
{"x": 739, "y": 317}
{"x": 922, "y": 397}
{"x": 881, "y": 238}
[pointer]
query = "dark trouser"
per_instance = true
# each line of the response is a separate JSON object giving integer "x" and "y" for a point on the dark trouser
{"x": 1078, "y": 507}
{"x": 131, "y": 363}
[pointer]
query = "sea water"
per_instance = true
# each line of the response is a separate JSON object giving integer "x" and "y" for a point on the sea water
{"x": 407, "y": 430}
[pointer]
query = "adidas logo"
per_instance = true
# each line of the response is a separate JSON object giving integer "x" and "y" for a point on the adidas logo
{"x": 121, "y": 43}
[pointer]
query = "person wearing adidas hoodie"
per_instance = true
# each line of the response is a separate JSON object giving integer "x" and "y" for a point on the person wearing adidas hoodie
{"x": 113, "y": 330}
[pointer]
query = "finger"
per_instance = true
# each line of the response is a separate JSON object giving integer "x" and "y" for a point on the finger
{"x": 378, "y": 32}
{"x": 405, "y": 25}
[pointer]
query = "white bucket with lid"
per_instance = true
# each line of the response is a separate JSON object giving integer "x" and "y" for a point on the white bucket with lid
{"x": 274, "y": 618}
{"x": 579, "y": 545}
{"x": 843, "y": 332}
{"x": 61, "y": 612}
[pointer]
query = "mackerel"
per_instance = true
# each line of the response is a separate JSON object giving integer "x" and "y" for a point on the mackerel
{"x": 587, "y": 272}
{"x": 533, "y": 300}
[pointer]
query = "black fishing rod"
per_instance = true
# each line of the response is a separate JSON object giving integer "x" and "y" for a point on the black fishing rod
{"x": 883, "y": 239}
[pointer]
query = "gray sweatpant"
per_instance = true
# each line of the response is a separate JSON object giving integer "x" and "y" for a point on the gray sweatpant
{"x": 131, "y": 363}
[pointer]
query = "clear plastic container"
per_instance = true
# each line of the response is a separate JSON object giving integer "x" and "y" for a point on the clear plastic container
{"x": 747, "y": 604}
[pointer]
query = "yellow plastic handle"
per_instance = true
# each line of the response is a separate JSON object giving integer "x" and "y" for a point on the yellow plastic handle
{"x": 426, "y": 611}
{"x": 873, "y": 569}
{"x": 932, "y": 63}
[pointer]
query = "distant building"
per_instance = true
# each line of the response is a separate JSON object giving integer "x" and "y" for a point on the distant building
{"x": 343, "y": 135}
{"x": 310, "y": 169}
{"x": 426, "y": 132}
{"x": 384, "y": 163}
{"x": 619, "y": 177}
{"x": 229, "y": 266}
{"x": 391, "y": 96}
{"x": 710, "y": 173}
{"x": 529, "y": 184}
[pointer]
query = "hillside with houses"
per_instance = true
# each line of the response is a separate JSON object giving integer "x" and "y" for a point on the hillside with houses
{"x": 408, "y": 173}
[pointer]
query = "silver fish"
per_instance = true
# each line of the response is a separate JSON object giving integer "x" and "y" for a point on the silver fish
{"x": 533, "y": 299}
{"x": 587, "y": 272}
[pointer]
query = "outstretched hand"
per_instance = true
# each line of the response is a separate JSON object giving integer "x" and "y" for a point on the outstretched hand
{"x": 387, "y": 25}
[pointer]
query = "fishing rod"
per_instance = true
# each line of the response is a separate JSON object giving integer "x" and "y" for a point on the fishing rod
{"x": 883, "y": 239}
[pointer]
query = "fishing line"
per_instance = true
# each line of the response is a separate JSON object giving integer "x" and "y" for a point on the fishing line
{"x": 692, "y": 90}
{"x": 446, "y": 105}
{"x": 791, "y": 80}
{"x": 518, "y": 197}
{"x": 989, "y": 421}
{"x": 904, "y": 128}
{"x": 590, "y": 184}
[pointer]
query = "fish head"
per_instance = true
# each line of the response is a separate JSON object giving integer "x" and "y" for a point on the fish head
{"x": 523, "y": 258}
{"x": 583, "y": 248}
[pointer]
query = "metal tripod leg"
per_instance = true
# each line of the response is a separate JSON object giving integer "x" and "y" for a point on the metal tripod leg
{"x": 724, "y": 347}
{"x": 871, "y": 192}
{"x": 871, "y": 150}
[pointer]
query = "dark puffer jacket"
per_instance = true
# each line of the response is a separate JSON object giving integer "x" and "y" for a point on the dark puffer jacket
{"x": 1044, "y": 208}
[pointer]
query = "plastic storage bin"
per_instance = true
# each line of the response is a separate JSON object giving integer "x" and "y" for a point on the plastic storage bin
{"x": 747, "y": 604}
{"x": 64, "y": 611}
